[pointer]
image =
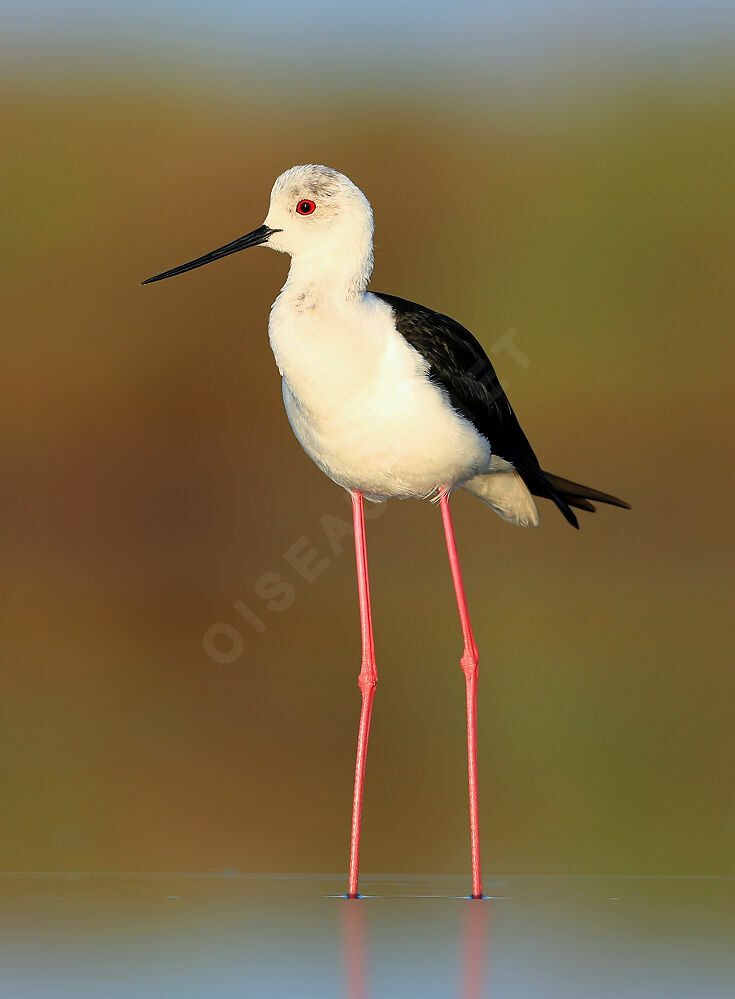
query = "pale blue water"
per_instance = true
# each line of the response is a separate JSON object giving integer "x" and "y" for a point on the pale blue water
{"x": 156, "y": 936}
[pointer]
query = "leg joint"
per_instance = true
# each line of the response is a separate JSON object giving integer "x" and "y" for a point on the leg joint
{"x": 368, "y": 678}
{"x": 470, "y": 659}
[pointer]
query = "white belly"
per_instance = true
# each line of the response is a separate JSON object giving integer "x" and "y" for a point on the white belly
{"x": 361, "y": 406}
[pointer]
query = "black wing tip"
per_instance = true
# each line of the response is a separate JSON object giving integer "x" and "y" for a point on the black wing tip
{"x": 565, "y": 502}
{"x": 599, "y": 497}
{"x": 582, "y": 504}
{"x": 575, "y": 493}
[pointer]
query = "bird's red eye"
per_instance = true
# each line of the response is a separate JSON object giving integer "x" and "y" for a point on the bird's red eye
{"x": 305, "y": 207}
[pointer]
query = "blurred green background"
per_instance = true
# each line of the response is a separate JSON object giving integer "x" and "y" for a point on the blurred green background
{"x": 567, "y": 176}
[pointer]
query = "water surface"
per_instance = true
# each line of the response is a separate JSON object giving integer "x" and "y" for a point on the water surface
{"x": 197, "y": 935}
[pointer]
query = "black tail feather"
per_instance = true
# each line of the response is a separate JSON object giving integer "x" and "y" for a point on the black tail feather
{"x": 563, "y": 506}
{"x": 567, "y": 494}
{"x": 578, "y": 495}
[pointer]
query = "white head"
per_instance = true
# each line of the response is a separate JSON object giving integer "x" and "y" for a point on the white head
{"x": 322, "y": 220}
{"x": 325, "y": 222}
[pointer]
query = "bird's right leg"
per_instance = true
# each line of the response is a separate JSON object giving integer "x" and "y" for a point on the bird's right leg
{"x": 367, "y": 682}
{"x": 469, "y": 663}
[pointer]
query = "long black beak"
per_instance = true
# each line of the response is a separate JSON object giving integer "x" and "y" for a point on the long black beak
{"x": 254, "y": 238}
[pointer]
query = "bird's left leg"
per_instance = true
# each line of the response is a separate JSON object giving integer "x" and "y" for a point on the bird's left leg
{"x": 367, "y": 681}
{"x": 469, "y": 663}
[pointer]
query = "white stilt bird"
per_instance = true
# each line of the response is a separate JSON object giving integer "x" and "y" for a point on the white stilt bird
{"x": 391, "y": 400}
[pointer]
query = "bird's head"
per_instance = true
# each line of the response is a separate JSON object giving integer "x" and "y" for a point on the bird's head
{"x": 316, "y": 215}
{"x": 316, "y": 210}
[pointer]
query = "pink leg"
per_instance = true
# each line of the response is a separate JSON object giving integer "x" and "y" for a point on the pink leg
{"x": 469, "y": 662}
{"x": 367, "y": 682}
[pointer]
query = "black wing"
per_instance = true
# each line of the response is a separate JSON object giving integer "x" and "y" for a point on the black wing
{"x": 460, "y": 366}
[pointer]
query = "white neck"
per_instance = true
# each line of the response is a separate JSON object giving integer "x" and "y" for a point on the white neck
{"x": 334, "y": 273}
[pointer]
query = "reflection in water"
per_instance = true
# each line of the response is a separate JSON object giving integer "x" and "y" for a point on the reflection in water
{"x": 473, "y": 950}
{"x": 254, "y": 936}
{"x": 353, "y": 942}
{"x": 477, "y": 946}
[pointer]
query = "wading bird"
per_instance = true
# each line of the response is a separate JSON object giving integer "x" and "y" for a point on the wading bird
{"x": 391, "y": 400}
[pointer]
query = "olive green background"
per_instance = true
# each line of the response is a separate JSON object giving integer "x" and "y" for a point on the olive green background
{"x": 151, "y": 482}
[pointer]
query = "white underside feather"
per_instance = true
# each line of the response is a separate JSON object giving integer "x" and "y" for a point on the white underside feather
{"x": 507, "y": 494}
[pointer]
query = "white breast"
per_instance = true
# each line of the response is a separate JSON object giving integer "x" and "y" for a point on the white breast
{"x": 360, "y": 403}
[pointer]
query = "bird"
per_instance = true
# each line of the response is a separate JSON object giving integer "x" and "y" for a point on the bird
{"x": 391, "y": 400}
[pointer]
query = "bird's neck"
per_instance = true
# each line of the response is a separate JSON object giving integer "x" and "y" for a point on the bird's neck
{"x": 334, "y": 276}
